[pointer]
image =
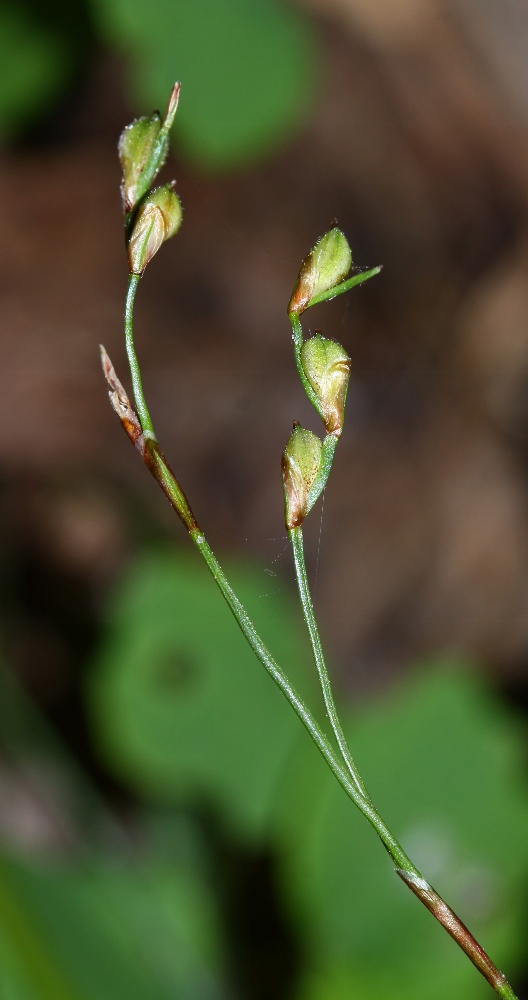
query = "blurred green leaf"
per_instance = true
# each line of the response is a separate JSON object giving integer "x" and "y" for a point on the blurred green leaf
{"x": 106, "y": 930}
{"x": 35, "y": 65}
{"x": 179, "y": 702}
{"x": 247, "y": 69}
{"x": 444, "y": 763}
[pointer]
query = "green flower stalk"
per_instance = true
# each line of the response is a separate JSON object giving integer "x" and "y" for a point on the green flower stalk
{"x": 323, "y": 367}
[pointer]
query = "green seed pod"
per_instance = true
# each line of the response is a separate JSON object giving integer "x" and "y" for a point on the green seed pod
{"x": 136, "y": 145}
{"x": 301, "y": 459}
{"x": 327, "y": 368}
{"x": 324, "y": 267}
{"x": 158, "y": 219}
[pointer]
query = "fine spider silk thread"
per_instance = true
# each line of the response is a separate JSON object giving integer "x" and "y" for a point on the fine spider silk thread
{"x": 281, "y": 553}
{"x": 270, "y": 593}
{"x": 319, "y": 542}
{"x": 270, "y": 571}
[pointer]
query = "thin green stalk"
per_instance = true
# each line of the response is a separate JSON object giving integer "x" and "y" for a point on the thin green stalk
{"x": 158, "y": 466}
{"x": 297, "y": 338}
{"x": 297, "y": 331}
{"x": 141, "y": 433}
{"x": 135, "y": 372}
{"x": 167, "y": 480}
{"x": 321, "y": 479}
{"x": 296, "y": 539}
{"x": 404, "y": 866}
{"x": 345, "y": 286}
{"x": 354, "y": 789}
{"x": 407, "y": 872}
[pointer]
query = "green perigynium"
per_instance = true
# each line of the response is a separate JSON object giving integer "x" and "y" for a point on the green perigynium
{"x": 143, "y": 147}
{"x": 327, "y": 367}
{"x": 300, "y": 464}
{"x": 158, "y": 218}
{"x": 136, "y": 146}
{"x": 326, "y": 265}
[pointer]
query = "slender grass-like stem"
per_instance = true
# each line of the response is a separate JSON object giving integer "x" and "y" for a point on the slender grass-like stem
{"x": 321, "y": 479}
{"x": 140, "y": 430}
{"x": 407, "y": 872}
{"x": 344, "y": 286}
{"x": 297, "y": 339}
{"x": 135, "y": 372}
{"x": 159, "y": 468}
{"x": 296, "y": 539}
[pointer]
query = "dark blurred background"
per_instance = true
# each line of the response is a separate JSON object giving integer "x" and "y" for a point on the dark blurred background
{"x": 165, "y": 832}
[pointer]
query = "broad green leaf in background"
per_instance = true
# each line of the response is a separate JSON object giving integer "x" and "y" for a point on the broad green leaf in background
{"x": 179, "y": 703}
{"x": 247, "y": 69}
{"x": 445, "y": 765}
{"x": 106, "y": 930}
{"x": 34, "y": 68}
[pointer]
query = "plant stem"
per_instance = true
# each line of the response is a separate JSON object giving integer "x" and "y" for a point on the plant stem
{"x": 345, "y": 286}
{"x": 297, "y": 338}
{"x": 325, "y": 465}
{"x": 141, "y": 433}
{"x": 159, "y": 468}
{"x": 296, "y": 539}
{"x": 135, "y": 372}
{"x": 407, "y": 872}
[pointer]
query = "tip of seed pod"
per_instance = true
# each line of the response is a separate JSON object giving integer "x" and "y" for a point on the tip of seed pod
{"x": 105, "y": 360}
{"x": 109, "y": 370}
{"x": 173, "y": 101}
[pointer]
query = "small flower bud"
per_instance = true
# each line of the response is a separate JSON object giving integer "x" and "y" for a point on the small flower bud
{"x": 158, "y": 219}
{"x": 300, "y": 464}
{"x": 327, "y": 368}
{"x": 136, "y": 145}
{"x": 325, "y": 266}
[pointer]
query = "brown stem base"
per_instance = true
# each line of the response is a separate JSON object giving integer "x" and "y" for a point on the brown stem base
{"x": 458, "y": 931}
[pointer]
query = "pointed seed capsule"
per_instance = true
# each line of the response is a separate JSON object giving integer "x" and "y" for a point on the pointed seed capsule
{"x": 158, "y": 219}
{"x": 327, "y": 368}
{"x": 325, "y": 266}
{"x": 301, "y": 459}
{"x": 136, "y": 145}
